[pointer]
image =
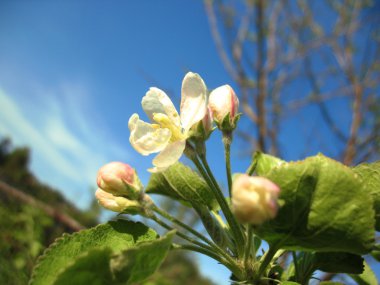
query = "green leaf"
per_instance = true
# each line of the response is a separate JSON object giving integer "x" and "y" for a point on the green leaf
{"x": 137, "y": 263}
{"x": 326, "y": 208}
{"x": 117, "y": 235}
{"x": 289, "y": 283}
{"x": 339, "y": 262}
{"x": 376, "y": 252}
{"x": 368, "y": 277}
{"x": 370, "y": 175}
{"x": 182, "y": 183}
{"x": 265, "y": 162}
{"x": 92, "y": 267}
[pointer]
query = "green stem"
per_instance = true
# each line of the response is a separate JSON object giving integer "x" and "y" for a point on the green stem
{"x": 234, "y": 226}
{"x": 186, "y": 227}
{"x": 227, "y": 140}
{"x": 296, "y": 271}
{"x": 213, "y": 248}
{"x": 232, "y": 266}
{"x": 249, "y": 246}
{"x": 252, "y": 167}
{"x": 195, "y": 248}
{"x": 267, "y": 259}
{"x": 195, "y": 233}
{"x": 178, "y": 233}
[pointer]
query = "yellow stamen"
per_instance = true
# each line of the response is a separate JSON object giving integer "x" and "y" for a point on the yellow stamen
{"x": 165, "y": 122}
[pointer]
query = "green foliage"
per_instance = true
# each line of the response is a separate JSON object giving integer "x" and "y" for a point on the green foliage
{"x": 91, "y": 267}
{"x": 103, "y": 266}
{"x": 14, "y": 170}
{"x": 117, "y": 236}
{"x": 177, "y": 269}
{"x": 370, "y": 176}
{"x": 323, "y": 200}
{"x": 180, "y": 182}
{"x": 339, "y": 262}
{"x": 22, "y": 239}
{"x": 25, "y": 229}
{"x": 368, "y": 277}
{"x": 265, "y": 162}
{"x": 376, "y": 252}
{"x": 137, "y": 263}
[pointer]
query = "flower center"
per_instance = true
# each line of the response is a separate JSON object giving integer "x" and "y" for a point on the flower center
{"x": 165, "y": 122}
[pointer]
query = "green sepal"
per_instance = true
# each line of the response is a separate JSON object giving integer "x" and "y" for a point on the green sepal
{"x": 134, "y": 192}
{"x": 198, "y": 132}
{"x": 228, "y": 124}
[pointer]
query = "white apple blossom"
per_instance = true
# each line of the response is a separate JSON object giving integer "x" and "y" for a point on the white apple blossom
{"x": 169, "y": 131}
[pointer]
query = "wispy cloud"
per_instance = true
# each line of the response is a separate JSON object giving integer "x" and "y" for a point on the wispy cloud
{"x": 68, "y": 145}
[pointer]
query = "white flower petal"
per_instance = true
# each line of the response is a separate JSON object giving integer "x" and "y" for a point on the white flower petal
{"x": 147, "y": 138}
{"x": 168, "y": 156}
{"x": 156, "y": 101}
{"x": 193, "y": 100}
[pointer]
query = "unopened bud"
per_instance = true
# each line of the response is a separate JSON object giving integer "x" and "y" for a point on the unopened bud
{"x": 119, "y": 179}
{"x": 118, "y": 204}
{"x": 224, "y": 105}
{"x": 254, "y": 199}
{"x": 203, "y": 129}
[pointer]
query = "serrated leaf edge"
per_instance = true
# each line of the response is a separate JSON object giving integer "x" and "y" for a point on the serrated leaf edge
{"x": 55, "y": 243}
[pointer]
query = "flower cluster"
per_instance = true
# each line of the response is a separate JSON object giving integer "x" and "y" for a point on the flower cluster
{"x": 254, "y": 199}
{"x": 169, "y": 130}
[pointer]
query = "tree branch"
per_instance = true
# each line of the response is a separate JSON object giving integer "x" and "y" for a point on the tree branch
{"x": 50, "y": 211}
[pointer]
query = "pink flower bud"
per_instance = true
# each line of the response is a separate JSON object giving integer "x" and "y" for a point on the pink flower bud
{"x": 223, "y": 102}
{"x": 119, "y": 179}
{"x": 254, "y": 199}
{"x": 117, "y": 204}
{"x": 203, "y": 129}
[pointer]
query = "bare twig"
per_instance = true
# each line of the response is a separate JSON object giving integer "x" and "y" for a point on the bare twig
{"x": 218, "y": 40}
{"x": 50, "y": 211}
{"x": 261, "y": 77}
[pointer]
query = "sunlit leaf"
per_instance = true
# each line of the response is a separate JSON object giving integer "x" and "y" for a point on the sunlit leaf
{"x": 327, "y": 208}
{"x": 115, "y": 236}
{"x": 265, "y": 162}
{"x": 182, "y": 183}
{"x": 370, "y": 175}
{"x": 137, "y": 263}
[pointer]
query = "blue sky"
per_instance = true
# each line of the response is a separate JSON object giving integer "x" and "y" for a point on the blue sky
{"x": 73, "y": 72}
